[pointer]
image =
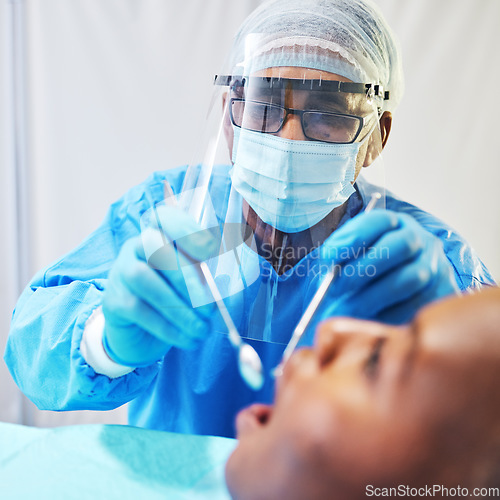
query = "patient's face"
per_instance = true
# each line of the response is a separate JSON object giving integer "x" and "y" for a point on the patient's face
{"x": 372, "y": 404}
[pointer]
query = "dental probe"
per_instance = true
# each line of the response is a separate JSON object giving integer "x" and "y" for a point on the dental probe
{"x": 315, "y": 303}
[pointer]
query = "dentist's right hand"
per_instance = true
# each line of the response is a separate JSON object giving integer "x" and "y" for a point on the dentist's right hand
{"x": 146, "y": 304}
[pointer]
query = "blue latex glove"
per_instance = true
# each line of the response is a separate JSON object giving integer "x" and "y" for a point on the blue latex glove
{"x": 391, "y": 268}
{"x": 146, "y": 304}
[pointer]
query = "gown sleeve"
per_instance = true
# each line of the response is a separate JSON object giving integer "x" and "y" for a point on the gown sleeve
{"x": 43, "y": 347}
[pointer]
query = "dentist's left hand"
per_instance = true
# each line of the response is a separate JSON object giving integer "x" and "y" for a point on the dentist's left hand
{"x": 148, "y": 301}
{"x": 391, "y": 267}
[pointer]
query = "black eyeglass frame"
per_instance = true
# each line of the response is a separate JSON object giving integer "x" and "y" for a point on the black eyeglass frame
{"x": 300, "y": 112}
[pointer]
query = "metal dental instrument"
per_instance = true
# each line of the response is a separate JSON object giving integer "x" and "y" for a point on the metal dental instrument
{"x": 315, "y": 303}
{"x": 249, "y": 362}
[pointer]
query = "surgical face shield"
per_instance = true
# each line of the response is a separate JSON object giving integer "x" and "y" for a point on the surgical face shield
{"x": 275, "y": 174}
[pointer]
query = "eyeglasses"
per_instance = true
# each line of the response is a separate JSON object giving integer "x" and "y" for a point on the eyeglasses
{"x": 321, "y": 126}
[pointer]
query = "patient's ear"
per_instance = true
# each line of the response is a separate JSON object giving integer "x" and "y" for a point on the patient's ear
{"x": 378, "y": 138}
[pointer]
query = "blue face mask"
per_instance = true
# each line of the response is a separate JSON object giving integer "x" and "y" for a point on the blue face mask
{"x": 292, "y": 185}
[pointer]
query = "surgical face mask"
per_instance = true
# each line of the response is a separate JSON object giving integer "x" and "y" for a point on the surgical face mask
{"x": 292, "y": 185}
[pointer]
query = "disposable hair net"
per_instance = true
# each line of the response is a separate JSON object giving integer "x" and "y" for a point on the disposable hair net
{"x": 346, "y": 37}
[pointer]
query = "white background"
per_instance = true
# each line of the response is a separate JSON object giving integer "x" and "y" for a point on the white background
{"x": 107, "y": 91}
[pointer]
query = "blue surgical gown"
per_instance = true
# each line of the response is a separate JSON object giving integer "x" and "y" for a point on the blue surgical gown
{"x": 196, "y": 392}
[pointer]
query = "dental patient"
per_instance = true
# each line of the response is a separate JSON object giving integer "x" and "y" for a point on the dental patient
{"x": 370, "y": 407}
{"x": 376, "y": 406}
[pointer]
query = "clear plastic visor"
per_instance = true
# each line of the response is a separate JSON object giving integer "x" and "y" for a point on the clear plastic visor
{"x": 280, "y": 167}
{"x": 282, "y": 163}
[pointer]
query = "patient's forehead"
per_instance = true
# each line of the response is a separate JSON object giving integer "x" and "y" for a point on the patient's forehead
{"x": 468, "y": 323}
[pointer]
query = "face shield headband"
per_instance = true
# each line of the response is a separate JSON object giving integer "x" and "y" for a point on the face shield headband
{"x": 370, "y": 90}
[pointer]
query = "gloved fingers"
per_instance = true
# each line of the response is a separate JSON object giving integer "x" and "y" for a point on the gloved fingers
{"x": 404, "y": 312}
{"x": 137, "y": 348}
{"x": 397, "y": 295}
{"x": 132, "y": 282}
{"x": 441, "y": 283}
{"x": 191, "y": 286}
{"x": 444, "y": 282}
{"x": 413, "y": 272}
{"x": 185, "y": 329}
{"x": 150, "y": 289}
{"x": 126, "y": 308}
{"x": 153, "y": 286}
{"x": 391, "y": 251}
{"x": 395, "y": 287}
{"x": 176, "y": 267}
{"x": 169, "y": 290}
{"x": 433, "y": 258}
{"x": 411, "y": 242}
{"x": 361, "y": 231}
